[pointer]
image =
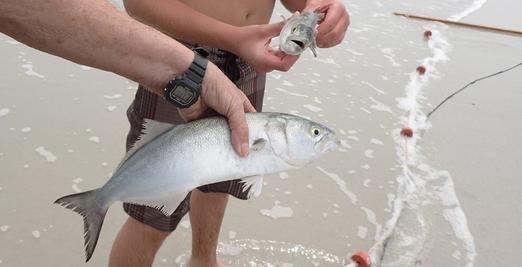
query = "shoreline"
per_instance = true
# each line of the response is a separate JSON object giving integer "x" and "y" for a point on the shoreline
{"x": 63, "y": 129}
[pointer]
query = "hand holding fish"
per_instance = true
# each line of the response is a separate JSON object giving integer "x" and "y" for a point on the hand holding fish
{"x": 220, "y": 94}
{"x": 253, "y": 47}
{"x": 332, "y": 29}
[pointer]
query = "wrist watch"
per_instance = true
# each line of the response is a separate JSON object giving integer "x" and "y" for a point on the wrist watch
{"x": 184, "y": 90}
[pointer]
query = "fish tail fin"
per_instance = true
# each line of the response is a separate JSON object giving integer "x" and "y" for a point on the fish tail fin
{"x": 93, "y": 215}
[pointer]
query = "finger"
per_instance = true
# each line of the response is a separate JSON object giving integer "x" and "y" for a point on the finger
{"x": 311, "y": 7}
{"x": 273, "y": 50}
{"x": 279, "y": 53}
{"x": 332, "y": 40}
{"x": 278, "y": 60}
{"x": 332, "y": 19}
{"x": 274, "y": 29}
{"x": 238, "y": 127}
{"x": 335, "y": 36}
{"x": 248, "y": 106}
{"x": 288, "y": 61}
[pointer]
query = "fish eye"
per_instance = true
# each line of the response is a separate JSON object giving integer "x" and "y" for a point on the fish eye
{"x": 294, "y": 29}
{"x": 316, "y": 131}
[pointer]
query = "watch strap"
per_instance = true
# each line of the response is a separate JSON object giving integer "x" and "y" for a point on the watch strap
{"x": 197, "y": 69}
{"x": 185, "y": 89}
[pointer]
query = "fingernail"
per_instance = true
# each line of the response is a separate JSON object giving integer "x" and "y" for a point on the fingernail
{"x": 244, "y": 149}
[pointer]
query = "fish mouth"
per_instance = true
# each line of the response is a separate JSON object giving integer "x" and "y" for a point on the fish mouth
{"x": 327, "y": 143}
{"x": 299, "y": 43}
{"x": 331, "y": 145}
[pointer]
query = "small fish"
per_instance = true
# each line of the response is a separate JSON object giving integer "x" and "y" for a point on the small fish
{"x": 169, "y": 161}
{"x": 299, "y": 32}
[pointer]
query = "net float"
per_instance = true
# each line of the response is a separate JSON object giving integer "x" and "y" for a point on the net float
{"x": 421, "y": 69}
{"x": 362, "y": 259}
{"x": 407, "y": 131}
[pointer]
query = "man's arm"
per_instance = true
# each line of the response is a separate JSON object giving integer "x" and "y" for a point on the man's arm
{"x": 248, "y": 42}
{"x": 94, "y": 33}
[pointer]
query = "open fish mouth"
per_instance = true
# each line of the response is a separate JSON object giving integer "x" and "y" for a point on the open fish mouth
{"x": 299, "y": 43}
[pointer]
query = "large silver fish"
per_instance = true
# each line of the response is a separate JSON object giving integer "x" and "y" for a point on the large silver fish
{"x": 170, "y": 161}
{"x": 299, "y": 32}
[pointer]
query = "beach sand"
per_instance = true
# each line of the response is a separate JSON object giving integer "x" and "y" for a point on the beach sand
{"x": 454, "y": 195}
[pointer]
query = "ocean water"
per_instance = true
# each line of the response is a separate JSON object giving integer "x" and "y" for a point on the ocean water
{"x": 368, "y": 89}
{"x": 380, "y": 192}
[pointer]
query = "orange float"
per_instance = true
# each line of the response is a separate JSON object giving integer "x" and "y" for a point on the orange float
{"x": 407, "y": 131}
{"x": 362, "y": 259}
{"x": 421, "y": 69}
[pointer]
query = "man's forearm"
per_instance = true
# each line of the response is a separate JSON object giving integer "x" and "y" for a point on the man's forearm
{"x": 94, "y": 33}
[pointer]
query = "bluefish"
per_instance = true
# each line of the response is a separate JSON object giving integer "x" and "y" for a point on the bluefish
{"x": 299, "y": 32}
{"x": 169, "y": 161}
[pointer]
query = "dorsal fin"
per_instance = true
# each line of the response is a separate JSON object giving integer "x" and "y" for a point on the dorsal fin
{"x": 151, "y": 130}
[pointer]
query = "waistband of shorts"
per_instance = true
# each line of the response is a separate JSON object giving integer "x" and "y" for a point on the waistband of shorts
{"x": 216, "y": 55}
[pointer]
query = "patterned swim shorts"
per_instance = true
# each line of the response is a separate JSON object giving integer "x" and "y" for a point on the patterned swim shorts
{"x": 147, "y": 105}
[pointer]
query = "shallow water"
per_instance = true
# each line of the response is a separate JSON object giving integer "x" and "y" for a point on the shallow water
{"x": 63, "y": 128}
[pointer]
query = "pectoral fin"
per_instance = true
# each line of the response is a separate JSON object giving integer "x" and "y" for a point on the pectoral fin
{"x": 258, "y": 144}
{"x": 254, "y": 184}
{"x": 313, "y": 48}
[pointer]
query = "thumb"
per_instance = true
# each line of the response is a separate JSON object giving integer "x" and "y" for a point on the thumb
{"x": 274, "y": 29}
{"x": 248, "y": 106}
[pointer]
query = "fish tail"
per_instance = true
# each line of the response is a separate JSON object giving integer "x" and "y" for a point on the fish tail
{"x": 93, "y": 214}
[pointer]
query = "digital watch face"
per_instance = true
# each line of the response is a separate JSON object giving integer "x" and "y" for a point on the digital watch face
{"x": 182, "y": 95}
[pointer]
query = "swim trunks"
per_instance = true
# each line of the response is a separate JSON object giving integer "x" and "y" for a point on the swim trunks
{"x": 147, "y": 105}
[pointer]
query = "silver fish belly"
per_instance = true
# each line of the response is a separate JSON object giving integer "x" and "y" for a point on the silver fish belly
{"x": 298, "y": 33}
{"x": 169, "y": 161}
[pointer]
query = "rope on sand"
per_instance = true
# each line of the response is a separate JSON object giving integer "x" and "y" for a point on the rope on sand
{"x": 464, "y": 24}
{"x": 462, "y": 89}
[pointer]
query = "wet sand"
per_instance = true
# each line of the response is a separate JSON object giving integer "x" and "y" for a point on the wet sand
{"x": 476, "y": 135}
{"x": 63, "y": 128}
